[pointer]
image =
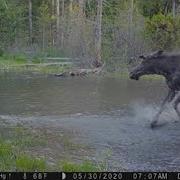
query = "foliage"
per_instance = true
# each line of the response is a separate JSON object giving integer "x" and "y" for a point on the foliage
{"x": 164, "y": 31}
{"x": 124, "y": 23}
{"x": 149, "y": 8}
{"x": 11, "y": 21}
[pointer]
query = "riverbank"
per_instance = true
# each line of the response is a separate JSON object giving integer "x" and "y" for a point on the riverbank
{"x": 20, "y": 63}
{"x": 40, "y": 149}
{"x": 124, "y": 74}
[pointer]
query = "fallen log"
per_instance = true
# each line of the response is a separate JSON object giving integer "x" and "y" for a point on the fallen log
{"x": 80, "y": 72}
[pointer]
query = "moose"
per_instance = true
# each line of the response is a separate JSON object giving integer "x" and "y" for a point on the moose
{"x": 164, "y": 64}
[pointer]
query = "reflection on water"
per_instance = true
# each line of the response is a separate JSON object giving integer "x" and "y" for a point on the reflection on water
{"x": 111, "y": 113}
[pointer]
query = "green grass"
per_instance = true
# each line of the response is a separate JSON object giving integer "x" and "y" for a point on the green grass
{"x": 13, "y": 154}
{"x": 85, "y": 166}
{"x": 19, "y": 63}
{"x": 50, "y": 69}
{"x": 23, "y": 138}
{"x": 125, "y": 75}
{"x": 20, "y": 150}
{"x": 11, "y": 159}
{"x": 12, "y": 59}
{"x": 27, "y": 163}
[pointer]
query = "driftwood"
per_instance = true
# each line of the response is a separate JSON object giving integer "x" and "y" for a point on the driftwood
{"x": 80, "y": 72}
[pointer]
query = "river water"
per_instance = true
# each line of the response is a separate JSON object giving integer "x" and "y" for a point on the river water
{"x": 111, "y": 115}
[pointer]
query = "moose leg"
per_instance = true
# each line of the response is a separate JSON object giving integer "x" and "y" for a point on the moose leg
{"x": 177, "y": 101}
{"x": 169, "y": 98}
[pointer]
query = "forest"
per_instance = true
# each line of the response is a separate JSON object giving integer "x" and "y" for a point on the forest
{"x": 88, "y": 31}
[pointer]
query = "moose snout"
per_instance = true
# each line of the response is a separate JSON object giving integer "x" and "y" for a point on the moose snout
{"x": 132, "y": 75}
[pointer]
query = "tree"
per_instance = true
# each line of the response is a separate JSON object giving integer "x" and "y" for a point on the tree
{"x": 70, "y": 6}
{"x": 52, "y": 23}
{"x": 30, "y": 22}
{"x": 81, "y": 7}
{"x": 98, "y": 33}
{"x": 45, "y": 23}
{"x": 58, "y": 22}
{"x": 148, "y": 8}
{"x": 174, "y": 8}
{"x": 62, "y": 26}
{"x": 163, "y": 31}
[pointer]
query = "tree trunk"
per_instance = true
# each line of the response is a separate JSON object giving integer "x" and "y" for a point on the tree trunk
{"x": 174, "y": 8}
{"x": 70, "y": 6}
{"x": 62, "y": 27}
{"x": 81, "y": 8}
{"x": 43, "y": 37}
{"x": 52, "y": 23}
{"x": 132, "y": 11}
{"x": 131, "y": 36}
{"x": 81, "y": 28}
{"x": 98, "y": 32}
{"x": 58, "y": 22}
{"x": 30, "y": 21}
{"x": 131, "y": 14}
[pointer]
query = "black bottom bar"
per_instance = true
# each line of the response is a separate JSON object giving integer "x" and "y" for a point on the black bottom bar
{"x": 90, "y": 176}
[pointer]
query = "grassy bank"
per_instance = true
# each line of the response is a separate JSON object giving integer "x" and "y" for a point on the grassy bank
{"x": 12, "y": 158}
{"x": 41, "y": 149}
{"x": 124, "y": 73}
{"x": 20, "y": 63}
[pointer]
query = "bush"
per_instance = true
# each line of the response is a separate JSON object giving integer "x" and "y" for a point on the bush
{"x": 163, "y": 31}
{"x": 149, "y": 8}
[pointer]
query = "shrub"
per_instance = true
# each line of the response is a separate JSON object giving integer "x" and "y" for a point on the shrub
{"x": 163, "y": 31}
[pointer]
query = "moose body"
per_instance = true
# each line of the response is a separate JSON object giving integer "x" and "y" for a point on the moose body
{"x": 167, "y": 65}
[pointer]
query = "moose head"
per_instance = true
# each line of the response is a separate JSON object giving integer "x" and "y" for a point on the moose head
{"x": 148, "y": 65}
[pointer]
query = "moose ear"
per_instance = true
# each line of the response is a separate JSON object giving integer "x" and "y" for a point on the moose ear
{"x": 142, "y": 57}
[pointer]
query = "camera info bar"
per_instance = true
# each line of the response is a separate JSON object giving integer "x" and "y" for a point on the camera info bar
{"x": 90, "y": 176}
